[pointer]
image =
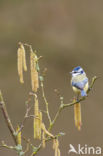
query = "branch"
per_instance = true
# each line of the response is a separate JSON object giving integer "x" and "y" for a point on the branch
{"x": 26, "y": 116}
{"x": 36, "y": 149}
{"x": 6, "y": 146}
{"x": 46, "y": 102}
{"x": 7, "y": 118}
{"x": 62, "y": 106}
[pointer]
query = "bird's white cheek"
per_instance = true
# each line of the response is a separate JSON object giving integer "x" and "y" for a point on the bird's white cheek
{"x": 75, "y": 74}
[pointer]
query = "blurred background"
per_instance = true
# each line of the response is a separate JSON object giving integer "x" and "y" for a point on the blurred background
{"x": 67, "y": 34}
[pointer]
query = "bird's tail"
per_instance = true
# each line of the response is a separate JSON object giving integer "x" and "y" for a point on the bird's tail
{"x": 83, "y": 93}
{"x": 77, "y": 115}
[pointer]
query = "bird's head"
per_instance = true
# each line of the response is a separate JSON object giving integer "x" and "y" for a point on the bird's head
{"x": 77, "y": 71}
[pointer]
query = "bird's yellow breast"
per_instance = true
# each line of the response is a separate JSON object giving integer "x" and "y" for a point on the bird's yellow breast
{"x": 77, "y": 91}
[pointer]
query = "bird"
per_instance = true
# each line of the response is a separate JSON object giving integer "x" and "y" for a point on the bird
{"x": 79, "y": 81}
{"x": 80, "y": 85}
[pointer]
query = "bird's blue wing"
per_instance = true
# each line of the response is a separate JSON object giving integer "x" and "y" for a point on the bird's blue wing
{"x": 80, "y": 85}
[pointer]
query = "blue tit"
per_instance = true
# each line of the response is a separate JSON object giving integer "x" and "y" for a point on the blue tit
{"x": 79, "y": 81}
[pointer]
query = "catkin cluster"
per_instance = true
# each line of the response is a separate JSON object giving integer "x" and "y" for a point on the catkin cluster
{"x": 34, "y": 71}
{"x": 56, "y": 147}
{"x": 34, "y": 67}
{"x": 44, "y": 133}
{"x": 39, "y": 127}
{"x": 21, "y": 61}
{"x": 40, "y": 131}
{"x": 77, "y": 115}
{"x": 37, "y": 120}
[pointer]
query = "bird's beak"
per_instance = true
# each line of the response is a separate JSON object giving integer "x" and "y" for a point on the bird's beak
{"x": 71, "y": 72}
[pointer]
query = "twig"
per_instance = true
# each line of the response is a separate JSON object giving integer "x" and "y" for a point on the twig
{"x": 46, "y": 102}
{"x": 47, "y": 139}
{"x": 6, "y": 146}
{"x": 7, "y": 118}
{"x": 26, "y": 116}
{"x": 40, "y": 145}
{"x": 32, "y": 146}
{"x": 55, "y": 118}
{"x": 27, "y": 148}
{"x": 62, "y": 106}
{"x": 17, "y": 148}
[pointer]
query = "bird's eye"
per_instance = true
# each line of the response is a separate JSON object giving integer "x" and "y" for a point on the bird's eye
{"x": 81, "y": 71}
{"x": 75, "y": 72}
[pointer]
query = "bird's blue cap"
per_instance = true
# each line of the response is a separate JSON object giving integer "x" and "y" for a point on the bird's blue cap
{"x": 77, "y": 68}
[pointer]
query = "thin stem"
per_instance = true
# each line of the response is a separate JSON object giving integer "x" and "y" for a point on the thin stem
{"x": 7, "y": 118}
{"x": 46, "y": 102}
{"x": 32, "y": 146}
{"x": 6, "y": 146}
{"x": 55, "y": 118}
{"x": 62, "y": 106}
{"x": 40, "y": 145}
{"x": 26, "y": 116}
